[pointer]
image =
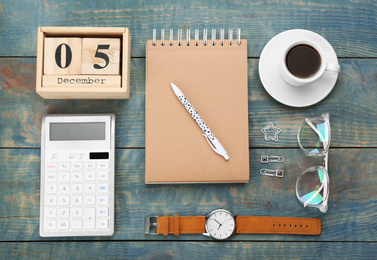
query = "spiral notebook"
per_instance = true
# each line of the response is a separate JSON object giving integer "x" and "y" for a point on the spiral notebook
{"x": 212, "y": 74}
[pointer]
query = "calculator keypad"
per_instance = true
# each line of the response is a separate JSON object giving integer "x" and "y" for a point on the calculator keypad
{"x": 77, "y": 196}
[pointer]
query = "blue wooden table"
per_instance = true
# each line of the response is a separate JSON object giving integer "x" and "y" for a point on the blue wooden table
{"x": 349, "y": 228}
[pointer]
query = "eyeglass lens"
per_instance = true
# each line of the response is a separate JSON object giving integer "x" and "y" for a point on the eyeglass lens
{"x": 314, "y": 136}
{"x": 312, "y": 187}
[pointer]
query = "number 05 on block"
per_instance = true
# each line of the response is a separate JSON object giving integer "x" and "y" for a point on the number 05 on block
{"x": 83, "y": 63}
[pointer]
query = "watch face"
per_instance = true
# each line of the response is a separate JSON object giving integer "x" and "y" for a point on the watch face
{"x": 220, "y": 224}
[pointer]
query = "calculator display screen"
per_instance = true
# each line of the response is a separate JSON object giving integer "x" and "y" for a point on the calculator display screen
{"x": 87, "y": 131}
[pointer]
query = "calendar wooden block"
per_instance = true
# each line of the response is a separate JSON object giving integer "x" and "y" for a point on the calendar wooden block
{"x": 100, "y": 56}
{"x": 62, "y": 56}
{"x": 113, "y": 84}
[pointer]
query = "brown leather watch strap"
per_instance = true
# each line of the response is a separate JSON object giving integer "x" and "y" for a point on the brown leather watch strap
{"x": 180, "y": 225}
{"x": 277, "y": 225}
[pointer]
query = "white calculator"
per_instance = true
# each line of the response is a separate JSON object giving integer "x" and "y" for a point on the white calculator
{"x": 77, "y": 175}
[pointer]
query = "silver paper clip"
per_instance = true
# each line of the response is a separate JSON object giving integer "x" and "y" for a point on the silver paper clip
{"x": 275, "y": 173}
{"x": 271, "y": 159}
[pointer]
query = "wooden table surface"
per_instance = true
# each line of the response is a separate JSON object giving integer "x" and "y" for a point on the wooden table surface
{"x": 349, "y": 228}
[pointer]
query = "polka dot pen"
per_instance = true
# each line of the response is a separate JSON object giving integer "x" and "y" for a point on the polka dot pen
{"x": 211, "y": 139}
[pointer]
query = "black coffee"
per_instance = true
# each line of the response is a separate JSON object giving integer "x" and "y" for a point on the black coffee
{"x": 303, "y": 61}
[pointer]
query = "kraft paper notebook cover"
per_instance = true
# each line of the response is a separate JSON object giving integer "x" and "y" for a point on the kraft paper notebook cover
{"x": 214, "y": 80}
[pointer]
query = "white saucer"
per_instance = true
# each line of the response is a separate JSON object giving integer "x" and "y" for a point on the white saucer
{"x": 277, "y": 87}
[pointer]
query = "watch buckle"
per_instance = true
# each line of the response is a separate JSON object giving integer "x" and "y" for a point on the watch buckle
{"x": 148, "y": 224}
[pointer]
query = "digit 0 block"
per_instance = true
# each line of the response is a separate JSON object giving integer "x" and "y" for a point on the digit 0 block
{"x": 100, "y": 56}
{"x": 62, "y": 56}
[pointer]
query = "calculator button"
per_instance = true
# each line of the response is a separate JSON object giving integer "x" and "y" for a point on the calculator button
{"x": 103, "y": 187}
{"x": 64, "y": 176}
{"x": 77, "y": 166}
{"x": 51, "y": 200}
{"x": 50, "y": 224}
{"x": 76, "y": 213}
{"x": 103, "y": 223}
{"x": 63, "y": 224}
{"x": 103, "y": 200}
{"x": 76, "y": 176}
{"x": 63, "y": 200}
{"x": 52, "y": 156}
{"x": 51, "y": 176}
{"x": 51, "y": 188}
{"x": 90, "y": 166}
{"x": 50, "y": 213}
{"x": 63, "y": 188}
{"x": 76, "y": 188}
{"x": 64, "y": 166}
{"x": 76, "y": 200}
{"x": 90, "y": 200}
{"x": 103, "y": 165}
{"x": 103, "y": 212}
{"x": 90, "y": 188}
{"x": 63, "y": 212}
{"x": 89, "y": 218}
{"x": 51, "y": 166}
{"x": 76, "y": 224}
{"x": 103, "y": 175}
{"x": 90, "y": 175}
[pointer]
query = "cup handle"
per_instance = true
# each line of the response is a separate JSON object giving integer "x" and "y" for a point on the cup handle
{"x": 333, "y": 67}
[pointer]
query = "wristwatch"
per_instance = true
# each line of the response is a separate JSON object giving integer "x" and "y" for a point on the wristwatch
{"x": 221, "y": 224}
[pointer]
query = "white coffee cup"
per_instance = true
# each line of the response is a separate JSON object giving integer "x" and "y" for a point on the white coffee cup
{"x": 325, "y": 66}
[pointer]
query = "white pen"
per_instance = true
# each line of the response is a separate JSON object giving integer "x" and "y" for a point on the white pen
{"x": 211, "y": 139}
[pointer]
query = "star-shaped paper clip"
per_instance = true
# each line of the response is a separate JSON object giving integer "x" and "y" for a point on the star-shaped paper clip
{"x": 276, "y": 135}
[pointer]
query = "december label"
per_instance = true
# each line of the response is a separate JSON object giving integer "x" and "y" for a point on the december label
{"x": 84, "y": 81}
{"x": 93, "y": 81}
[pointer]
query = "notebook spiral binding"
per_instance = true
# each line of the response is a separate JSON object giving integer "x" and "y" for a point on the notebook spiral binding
{"x": 196, "y": 41}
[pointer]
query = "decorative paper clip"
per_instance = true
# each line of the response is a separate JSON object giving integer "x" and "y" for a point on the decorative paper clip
{"x": 271, "y": 159}
{"x": 276, "y": 135}
{"x": 274, "y": 173}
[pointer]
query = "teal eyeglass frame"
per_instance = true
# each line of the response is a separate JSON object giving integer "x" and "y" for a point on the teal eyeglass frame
{"x": 314, "y": 199}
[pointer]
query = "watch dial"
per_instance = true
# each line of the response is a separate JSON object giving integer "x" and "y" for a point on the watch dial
{"x": 220, "y": 224}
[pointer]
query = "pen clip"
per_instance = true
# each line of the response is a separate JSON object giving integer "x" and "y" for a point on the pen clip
{"x": 219, "y": 150}
{"x": 211, "y": 144}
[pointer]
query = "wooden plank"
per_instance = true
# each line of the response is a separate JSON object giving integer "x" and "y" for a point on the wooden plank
{"x": 348, "y": 25}
{"x": 352, "y": 106}
{"x": 352, "y": 203}
{"x": 188, "y": 250}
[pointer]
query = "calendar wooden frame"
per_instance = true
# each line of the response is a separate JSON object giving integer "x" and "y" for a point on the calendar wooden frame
{"x": 119, "y": 90}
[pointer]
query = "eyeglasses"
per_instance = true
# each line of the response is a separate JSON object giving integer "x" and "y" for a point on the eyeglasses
{"x": 313, "y": 185}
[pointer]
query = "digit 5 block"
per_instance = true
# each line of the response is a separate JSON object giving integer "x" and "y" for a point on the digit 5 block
{"x": 100, "y": 56}
{"x": 62, "y": 56}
